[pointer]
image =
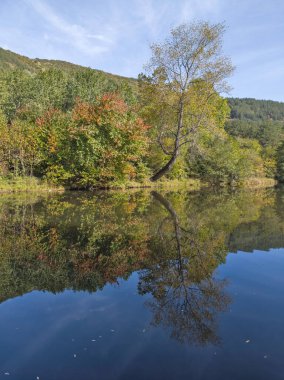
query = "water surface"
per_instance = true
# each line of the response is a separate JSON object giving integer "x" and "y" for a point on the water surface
{"x": 142, "y": 285}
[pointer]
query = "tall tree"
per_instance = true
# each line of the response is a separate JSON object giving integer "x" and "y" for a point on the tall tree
{"x": 188, "y": 65}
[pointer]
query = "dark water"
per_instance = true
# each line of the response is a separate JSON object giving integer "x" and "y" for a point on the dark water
{"x": 142, "y": 286}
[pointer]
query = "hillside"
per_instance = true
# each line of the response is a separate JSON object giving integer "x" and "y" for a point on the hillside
{"x": 256, "y": 110}
{"x": 262, "y": 120}
{"x": 241, "y": 109}
{"x": 12, "y": 61}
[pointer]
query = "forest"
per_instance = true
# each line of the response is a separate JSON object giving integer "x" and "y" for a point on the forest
{"x": 82, "y": 128}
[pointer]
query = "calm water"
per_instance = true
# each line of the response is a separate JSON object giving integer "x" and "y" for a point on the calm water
{"x": 142, "y": 286}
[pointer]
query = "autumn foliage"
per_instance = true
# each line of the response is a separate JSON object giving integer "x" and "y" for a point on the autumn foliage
{"x": 92, "y": 145}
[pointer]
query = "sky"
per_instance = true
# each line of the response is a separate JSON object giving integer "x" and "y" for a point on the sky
{"x": 115, "y": 35}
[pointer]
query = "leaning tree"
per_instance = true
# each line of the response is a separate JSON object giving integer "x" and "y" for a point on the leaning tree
{"x": 183, "y": 77}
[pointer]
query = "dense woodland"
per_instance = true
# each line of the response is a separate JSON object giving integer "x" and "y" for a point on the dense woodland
{"x": 83, "y": 128}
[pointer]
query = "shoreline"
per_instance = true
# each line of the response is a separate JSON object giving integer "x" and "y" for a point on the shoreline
{"x": 34, "y": 185}
{"x": 27, "y": 185}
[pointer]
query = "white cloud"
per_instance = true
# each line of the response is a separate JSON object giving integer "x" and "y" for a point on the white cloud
{"x": 152, "y": 15}
{"x": 88, "y": 42}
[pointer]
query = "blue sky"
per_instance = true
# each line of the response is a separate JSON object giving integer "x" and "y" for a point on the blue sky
{"x": 114, "y": 35}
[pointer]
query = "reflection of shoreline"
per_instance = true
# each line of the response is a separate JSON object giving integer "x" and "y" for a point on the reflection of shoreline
{"x": 249, "y": 238}
{"x": 175, "y": 242}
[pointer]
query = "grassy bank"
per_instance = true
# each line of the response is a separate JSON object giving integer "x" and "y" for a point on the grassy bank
{"x": 189, "y": 183}
{"x": 32, "y": 184}
{"x": 26, "y": 184}
{"x": 195, "y": 184}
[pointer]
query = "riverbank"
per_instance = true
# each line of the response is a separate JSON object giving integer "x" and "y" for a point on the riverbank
{"x": 188, "y": 183}
{"x": 27, "y": 184}
{"x": 32, "y": 184}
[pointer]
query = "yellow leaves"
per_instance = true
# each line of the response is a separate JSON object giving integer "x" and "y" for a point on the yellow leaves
{"x": 129, "y": 171}
{"x": 52, "y": 143}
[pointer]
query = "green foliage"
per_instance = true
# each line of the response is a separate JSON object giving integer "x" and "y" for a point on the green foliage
{"x": 262, "y": 120}
{"x": 253, "y": 109}
{"x": 30, "y": 95}
{"x": 19, "y": 149}
{"x": 15, "y": 92}
{"x": 187, "y": 71}
{"x": 10, "y": 61}
{"x": 16, "y": 184}
{"x": 77, "y": 128}
{"x": 223, "y": 159}
{"x": 94, "y": 145}
{"x": 268, "y": 133}
{"x": 280, "y": 162}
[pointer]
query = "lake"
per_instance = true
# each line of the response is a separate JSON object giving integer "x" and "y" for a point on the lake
{"x": 142, "y": 285}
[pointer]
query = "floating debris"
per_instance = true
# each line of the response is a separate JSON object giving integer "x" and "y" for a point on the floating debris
{"x": 75, "y": 356}
{"x": 265, "y": 356}
{"x": 112, "y": 330}
{"x": 100, "y": 336}
{"x": 247, "y": 341}
{"x": 144, "y": 330}
{"x": 7, "y": 373}
{"x": 94, "y": 340}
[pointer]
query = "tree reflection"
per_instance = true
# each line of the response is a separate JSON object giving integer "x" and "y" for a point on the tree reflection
{"x": 186, "y": 296}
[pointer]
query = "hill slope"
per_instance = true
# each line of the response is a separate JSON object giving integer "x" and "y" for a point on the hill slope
{"x": 241, "y": 109}
{"x": 12, "y": 61}
{"x": 254, "y": 109}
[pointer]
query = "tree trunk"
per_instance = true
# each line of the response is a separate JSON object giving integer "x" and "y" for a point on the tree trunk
{"x": 177, "y": 228}
{"x": 166, "y": 168}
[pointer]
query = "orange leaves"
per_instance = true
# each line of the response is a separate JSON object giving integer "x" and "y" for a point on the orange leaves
{"x": 47, "y": 117}
{"x": 107, "y": 105}
{"x": 141, "y": 125}
{"x": 94, "y": 144}
{"x": 113, "y": 102}
{"x": 84, "y": 112}
{"x": 110, "y": 113}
